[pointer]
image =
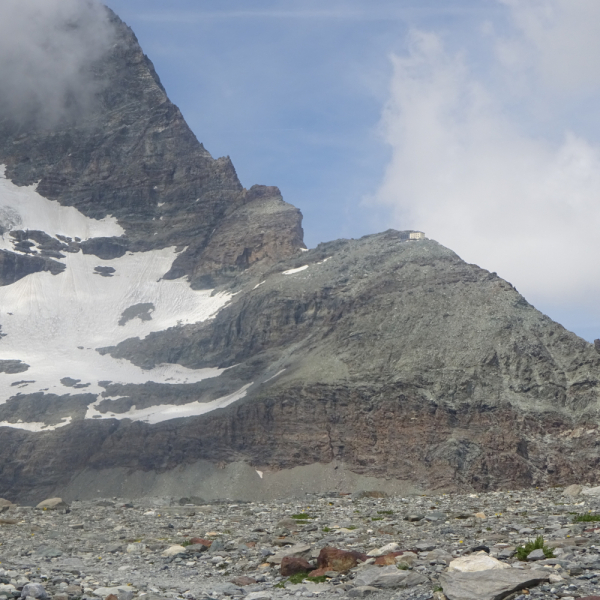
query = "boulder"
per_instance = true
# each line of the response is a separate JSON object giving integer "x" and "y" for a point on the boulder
{"x": 388, "y": 559}
{"x": 174, "y": 550}
{"x": 594, "y": 491}
{"x": 393, "y": 547}
{"x": 333, "y": 559}
{"x": 388, "y": 577}
{"x": 362, "y": 591}
{"x": 243, "y": 580}
{"x": 573, "y": 490}
{"x": 301, "y": 550}
{"x": 290, "y": 565}
{"x": 480, "y": 561}
{"x": 493, "y": 584}
{"x": 52, "y": 504}
{"x": 35, "y": 590}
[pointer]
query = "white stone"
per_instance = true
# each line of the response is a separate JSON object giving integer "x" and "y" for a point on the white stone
{"x": 392, "y": 547}
{"x": 480, "y": 561}
{"x": 174, "y": 550}
{"x": 595, "y": 491}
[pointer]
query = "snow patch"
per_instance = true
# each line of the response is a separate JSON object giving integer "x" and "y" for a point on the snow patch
{"x": 292, "y": 271}
{"x": 55, "y": 323}
{"x": 23, "y": 208}
{"x": 36, "y": 427}
{"x": 166, "y": 412}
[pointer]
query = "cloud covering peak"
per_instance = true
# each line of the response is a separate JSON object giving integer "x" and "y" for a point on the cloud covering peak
{"x": 47, "y": 49}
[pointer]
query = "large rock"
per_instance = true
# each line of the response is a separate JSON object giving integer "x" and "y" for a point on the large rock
{"x": 388, "y": 577}
{"x": 291, "y": 565}
{"x": 334, "y": 559}
{"x": 299, "y": 550}
{"x": 481, "y": 561}
{"x": 489, "y": 585}
{"x": 52, "y": 504}
{"x": 573, "y": 490}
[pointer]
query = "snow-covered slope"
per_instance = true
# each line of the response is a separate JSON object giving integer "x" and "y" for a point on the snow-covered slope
{"x": 55, "y": 323}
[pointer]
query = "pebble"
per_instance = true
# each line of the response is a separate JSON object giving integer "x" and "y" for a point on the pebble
{"x": 157, "y": 548}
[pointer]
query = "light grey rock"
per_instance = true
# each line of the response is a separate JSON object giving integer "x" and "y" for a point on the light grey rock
{"x": 594, "y": 491}
{"x": 52, "y": 504}
{"x": 489, "y": 585}
{"x": 35, "y": 590}
{"x": 259, "y": 596}
{"x": 300, "y": 550}
{"x": 573, "y": 490}
{"x": 362, "y": 591}
{"x": 388, "y": 577}
{"x": 536, "y": 555}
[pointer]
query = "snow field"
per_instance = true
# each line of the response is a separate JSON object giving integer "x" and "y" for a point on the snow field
{"x": 55, "y": 323}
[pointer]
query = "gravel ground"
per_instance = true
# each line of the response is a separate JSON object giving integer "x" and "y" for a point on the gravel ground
{"x": 146, "y": 548}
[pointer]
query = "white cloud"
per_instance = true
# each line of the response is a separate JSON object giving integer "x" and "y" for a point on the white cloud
{"x": 557, "y": 42}
{"x": 46, "y": 50}
{"x": 468, "y": 172}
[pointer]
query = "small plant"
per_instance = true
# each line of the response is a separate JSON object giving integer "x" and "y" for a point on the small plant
{"x": 522, "y": 552}
{"x": 280, "y": 585}
{"x": 302, "y": 516}
{"x": 376, "y": 518}
{"x": 351, "y": 527}
{"x": 403, "y": 566}
{"x": 586, "y": 518}
{"x": 298, "y": 577}
{"x": 326, "y": 529}
{"x": 438, "y": 589}
{"x": 385, "y": 512}
{"x": 186, "y": 543}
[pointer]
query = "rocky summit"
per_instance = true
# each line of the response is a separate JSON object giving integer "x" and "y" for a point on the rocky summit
{"x": 514, "y": 544}
{"x": 162, "y": 327}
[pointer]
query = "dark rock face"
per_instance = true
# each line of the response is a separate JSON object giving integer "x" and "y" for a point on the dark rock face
{"x": 134, "y": 157}
{"x": 13, "y": 366}
{"x": 15, "y": 266}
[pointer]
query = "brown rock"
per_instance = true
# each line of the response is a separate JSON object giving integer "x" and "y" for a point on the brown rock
{"x": 111, "y": 597}
{"x": 333, "y": 559}
{"x": 290, "y": 565}
{"x": 202, "y": 541}
{"x": 243, "y": 580}
{"x": 318, "y": 572}
{"x": 387, "y": 559}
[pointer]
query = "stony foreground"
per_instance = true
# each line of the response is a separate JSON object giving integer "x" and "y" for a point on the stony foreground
{"x": 402, "y": 548}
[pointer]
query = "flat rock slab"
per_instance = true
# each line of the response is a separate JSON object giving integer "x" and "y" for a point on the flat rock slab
{"x": 489, "y": 585}
{"x": 388, "y": 577}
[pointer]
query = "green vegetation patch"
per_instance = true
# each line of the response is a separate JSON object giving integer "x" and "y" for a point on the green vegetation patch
{"x": 586, "y": 518}
{"x": 385, "y": 512}
{"x": 300, "y": 577}
{"x": 538, "y": 544}
{"x": 302, "y": 516}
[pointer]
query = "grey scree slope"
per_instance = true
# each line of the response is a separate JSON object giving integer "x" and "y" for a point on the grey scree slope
{"x": 387, "y": 358}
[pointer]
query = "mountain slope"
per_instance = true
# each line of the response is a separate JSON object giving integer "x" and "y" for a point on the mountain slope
{"x": 157, "y": 318}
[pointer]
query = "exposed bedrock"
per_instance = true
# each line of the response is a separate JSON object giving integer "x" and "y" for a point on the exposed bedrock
{"x": 379, "y": 433}
{"x": 15, "y": 266}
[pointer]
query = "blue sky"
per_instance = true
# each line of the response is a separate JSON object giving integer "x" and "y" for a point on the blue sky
{"x": 474, "y": 121}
